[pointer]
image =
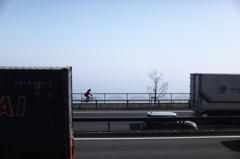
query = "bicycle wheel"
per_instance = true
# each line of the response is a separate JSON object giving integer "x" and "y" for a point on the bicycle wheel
{"x": 84, "y": 100}
{"x": 92, "y": 100}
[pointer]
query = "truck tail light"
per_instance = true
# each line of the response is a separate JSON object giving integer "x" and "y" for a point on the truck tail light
{"x": 71, "y": 154}
{"x": 72, "y": 148}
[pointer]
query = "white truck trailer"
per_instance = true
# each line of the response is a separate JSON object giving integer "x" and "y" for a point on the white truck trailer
{"x": 215, "y": 94}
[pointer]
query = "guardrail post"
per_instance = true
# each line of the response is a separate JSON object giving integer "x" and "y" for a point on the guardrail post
{"x": 127, "y": 103}
{"x": 218, "y": 125}
{"x": 96, "y": 104}
{"x": 108, "y": 126}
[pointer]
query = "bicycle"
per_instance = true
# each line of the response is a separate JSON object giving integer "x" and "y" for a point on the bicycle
{"x": 90, "y": 100}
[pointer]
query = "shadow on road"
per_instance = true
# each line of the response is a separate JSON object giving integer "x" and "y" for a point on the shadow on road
{"x": 233, "y": 145}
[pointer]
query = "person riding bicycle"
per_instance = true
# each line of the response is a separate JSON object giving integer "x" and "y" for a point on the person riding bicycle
{"x": 88, "y": 94}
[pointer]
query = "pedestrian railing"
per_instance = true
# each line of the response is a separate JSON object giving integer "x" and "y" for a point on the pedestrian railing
{"x": 127, "y": 104}
{"x": 134, "y": 97}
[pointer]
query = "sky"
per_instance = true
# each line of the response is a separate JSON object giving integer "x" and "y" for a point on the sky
{"x": 113, "y": 44}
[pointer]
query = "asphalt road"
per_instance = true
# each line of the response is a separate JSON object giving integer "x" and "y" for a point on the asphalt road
{"x": 125, "y": 113}
{"x": 155, "y": 148}
{"x": 122, "y": 126}
{"x": 197, "y": 147}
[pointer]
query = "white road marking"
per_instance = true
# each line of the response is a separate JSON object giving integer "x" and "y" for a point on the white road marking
{"x": 158, "y": 138}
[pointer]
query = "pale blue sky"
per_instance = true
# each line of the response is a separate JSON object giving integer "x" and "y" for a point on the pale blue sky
{"x": 112, "y": 44}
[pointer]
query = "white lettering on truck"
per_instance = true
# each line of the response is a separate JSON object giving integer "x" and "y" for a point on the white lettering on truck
{"x": 21, "y": 106}
{"x": 6, "y": 107}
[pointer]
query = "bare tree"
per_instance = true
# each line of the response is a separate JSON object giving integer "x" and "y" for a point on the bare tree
{"x": 158, "y": 89}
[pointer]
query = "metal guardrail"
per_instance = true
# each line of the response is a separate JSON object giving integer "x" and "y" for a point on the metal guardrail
{"x": 128, "y": 103}
{"x": 137, "y": 97}
{"x": 133, "y": 101}
{"x": 217, "y": 119}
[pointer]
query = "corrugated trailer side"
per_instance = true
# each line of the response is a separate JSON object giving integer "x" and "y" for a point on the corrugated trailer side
{"x": 215, "y": 94}
{"x": 35, "y": 112}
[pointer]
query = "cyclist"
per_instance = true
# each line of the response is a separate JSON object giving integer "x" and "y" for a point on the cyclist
{"x": 88, "y": 94}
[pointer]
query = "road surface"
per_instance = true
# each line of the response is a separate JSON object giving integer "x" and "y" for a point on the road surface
{"x": 208, "y": 147}
{"x": 123, "y": 126}
{"x": 197, "y": 147}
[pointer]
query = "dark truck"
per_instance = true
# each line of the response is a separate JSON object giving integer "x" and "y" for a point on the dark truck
{"x": 36, "y": 113}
